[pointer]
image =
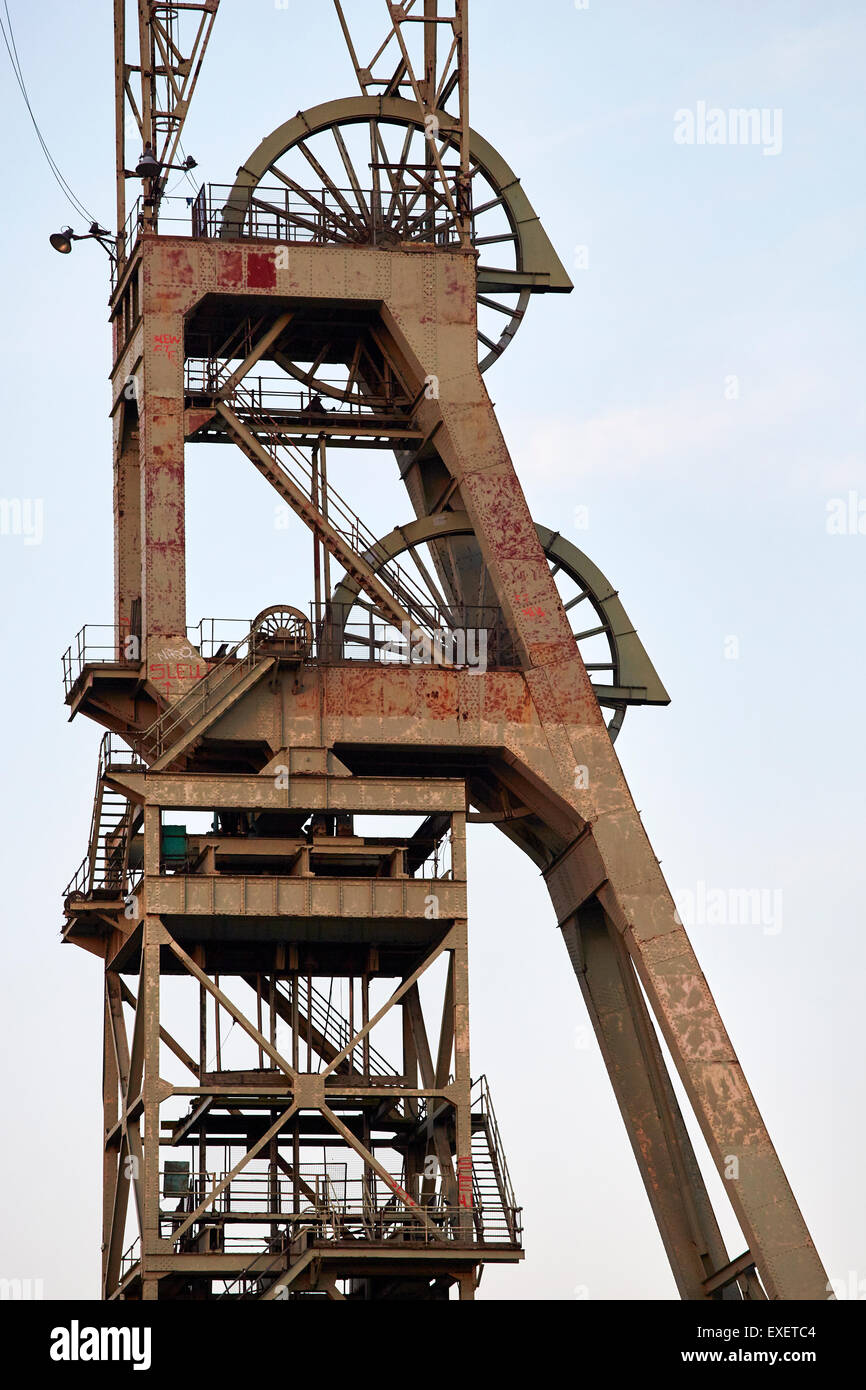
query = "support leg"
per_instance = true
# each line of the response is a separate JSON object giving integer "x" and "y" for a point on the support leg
{"x": 646, "y": 1099}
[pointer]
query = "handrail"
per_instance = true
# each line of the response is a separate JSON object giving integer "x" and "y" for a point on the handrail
{"x": 326, "y": 1202}
{"x": 93, "y": 840}
{"x": 342, "y": 1035}
{"x": 262, "y": 213}
{"x": 111, "y": 754}
{"x": 75, "y": 888}
{"x": 207, "y": 376}
{"x": 481, "y": 1098}
{"x": 82, "y": 652}
{"x": 325, "y": 218}
{"x": 262, "y": 1274}
{"x": 128, "y": 1256}
{"x": 341, "y": 517}
{"x": 153, "y": 742}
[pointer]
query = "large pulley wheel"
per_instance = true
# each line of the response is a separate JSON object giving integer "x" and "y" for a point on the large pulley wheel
{"x": 618, "y": 666}
{"x": 358, "y": 172}
{"x": 283, "y": 631}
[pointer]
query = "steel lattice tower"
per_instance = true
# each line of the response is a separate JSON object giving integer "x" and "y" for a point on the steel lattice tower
{"x": 373, "y": 257}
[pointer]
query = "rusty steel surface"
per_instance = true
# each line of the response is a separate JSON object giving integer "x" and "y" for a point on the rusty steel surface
{"x": 287, "y": 743}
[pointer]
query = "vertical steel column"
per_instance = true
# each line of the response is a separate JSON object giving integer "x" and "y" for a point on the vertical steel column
{"x": 127, "y": 520}
{"x": 161, "y": 434}
{"x": 463, "y": 1080}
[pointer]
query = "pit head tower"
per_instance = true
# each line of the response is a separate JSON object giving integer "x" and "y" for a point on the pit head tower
{"x": 275, "y": 881}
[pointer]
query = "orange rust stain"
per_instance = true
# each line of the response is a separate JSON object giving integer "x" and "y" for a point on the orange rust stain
{"x": 430, "y": 695}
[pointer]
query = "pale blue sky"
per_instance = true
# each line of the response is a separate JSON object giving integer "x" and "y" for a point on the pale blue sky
{"x": 708, "y": 514}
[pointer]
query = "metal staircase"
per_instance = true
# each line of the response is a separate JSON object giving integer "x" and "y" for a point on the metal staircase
{"x": 497, "y": 1216}
{"x": 328, "y": 1032}
{"x": 163, "y": 742}
{"x": 395, "y": 593}
{"x": 335, "y": 1034}
{"x": 104, "y": 869}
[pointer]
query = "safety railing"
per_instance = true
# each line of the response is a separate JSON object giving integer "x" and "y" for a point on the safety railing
{"x": 337, "y": 512}
{"x": 118, "y": 756}
{"x": 213, "y": 637}
{"x": 469, "y": 635}
{"x": 330, "y": 1208}
{"x": 207, "y": 377}
{"x": 327, "y": 216}
{"x": 113, "y": 820}
{"x": 130, "y": 1258}
{"x": 99, "y": 644}
{"x": 473, "y": 637}
{"x": 335, "y": 1031}
{"x": 482, "y": 1107}
{"x": 319, "y": 217}
{"x": 202, "y": 698}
